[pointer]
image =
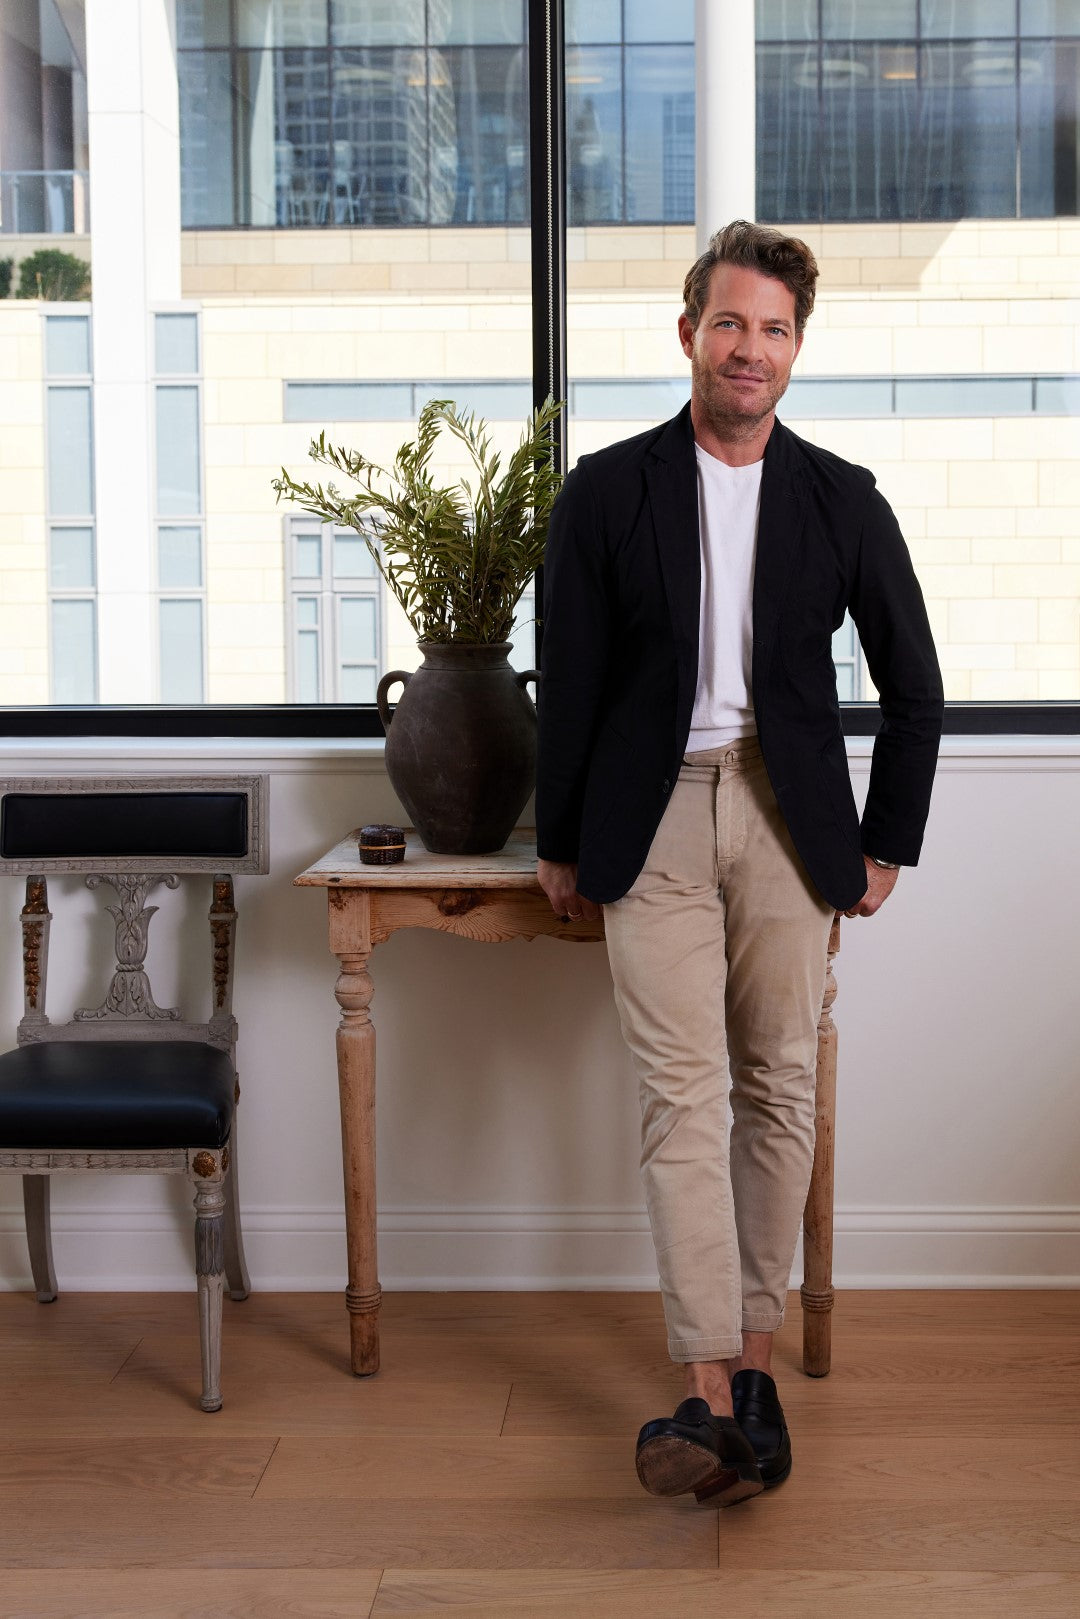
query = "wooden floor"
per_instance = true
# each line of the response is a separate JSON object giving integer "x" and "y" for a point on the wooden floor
{"x": 488, "y": 1469}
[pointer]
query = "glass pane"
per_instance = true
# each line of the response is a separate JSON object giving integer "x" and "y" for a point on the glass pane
{"x": 477, "y": 22}
{"x": 71, "y": 479}
{"x": 281, "y": 22}
{"x": 380, "y": 133}
{"x": 594, "y": 135}
{"x": 593, "y": 22}
{"x": 786, "y": 19}
{"x": 73, "y": 652}
{"x": 178, "y": 484}
{"x": 358, "y": 685}
{"x": 307, "y": 611}
{"x": 968, "y": 19}
{"x": 352, "y": 559}
{"x": 479, "y": 142}
{"x": 377, "y": 22}
{"x": 1050, "y": 17}
{"x": 348, "y": 401}
{"x": 71, "y": 558}
{"x": 358, "y": 626}
{"x": 1050, "y": 130}
{"x": 789, "y": 169}
{"x": 869, "y": 100}
{"x": 181, "y": 652}
{"x": 179, "y": 558}
{"x": 869, "y": 19}
{"x": 660, "y": 134}
{"x": 963, "y": 396}
{"x": 308, "y": 556}
{"x": 845, "y": 682}
{"x": 202, "y": 22}
{"x": 648, "y": 22}
{"x": 307, "y": 667}
{"x": 967, "y": 132}
{"x": 206, "y": 138}
{"x": 67, "y": 345}
{"x": 283, "y": 135}
{"x": 176, "y": 344}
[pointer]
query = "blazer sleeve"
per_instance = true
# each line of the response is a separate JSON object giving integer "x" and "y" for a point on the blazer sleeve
{"x": 573, "y": 663}
{"x": 890, "y": 615}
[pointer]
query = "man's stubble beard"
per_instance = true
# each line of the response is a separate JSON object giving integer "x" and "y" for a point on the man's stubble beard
{"x": 733, "y": 426}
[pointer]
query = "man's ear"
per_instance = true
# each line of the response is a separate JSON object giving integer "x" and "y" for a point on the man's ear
{"x": 686, "y": 335}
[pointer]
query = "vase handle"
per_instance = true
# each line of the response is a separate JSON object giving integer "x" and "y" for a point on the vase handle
{"x": 388, "y": 680}
{"x": 525, "y": 676}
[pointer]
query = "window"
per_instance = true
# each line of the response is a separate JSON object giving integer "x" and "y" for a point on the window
{"x": 336, "y": 618}
{"x": 72, "y": 571}
{"x": 180, "y": 569}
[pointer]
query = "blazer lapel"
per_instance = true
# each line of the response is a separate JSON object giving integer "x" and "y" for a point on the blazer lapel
{"x": 671, "y": 480}
{"x": 780, "y": 532}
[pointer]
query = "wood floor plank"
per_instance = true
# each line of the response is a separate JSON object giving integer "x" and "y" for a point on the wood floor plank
{"x": 798, "y": 1594}
{"x": 96, "y": 1467}
{"x": 142, "y": 1532}
{"x": 180, "y": 1593}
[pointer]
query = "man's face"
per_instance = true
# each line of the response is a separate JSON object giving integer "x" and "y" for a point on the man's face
{"x": 742, "y": 349}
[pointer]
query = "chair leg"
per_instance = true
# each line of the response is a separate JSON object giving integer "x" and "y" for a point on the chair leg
{"x": 817, "y": 1288}
{"x": 210, "y": 1268}
{"x": 236, "y": 1272}
{"x": 39, "y": 1236}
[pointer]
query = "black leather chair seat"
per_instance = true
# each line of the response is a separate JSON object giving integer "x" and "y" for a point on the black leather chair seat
{"x": 115, "y": 1094}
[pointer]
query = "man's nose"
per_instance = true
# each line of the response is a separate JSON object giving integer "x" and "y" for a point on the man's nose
{"x": 748, "y": 346}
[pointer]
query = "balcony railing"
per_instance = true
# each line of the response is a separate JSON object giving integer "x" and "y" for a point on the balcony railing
{"x": 44, "y": 202}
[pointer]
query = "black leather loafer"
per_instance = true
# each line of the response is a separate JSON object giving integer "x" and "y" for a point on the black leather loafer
{"x": 761, "y": 1417}
{"x": 693, "y": 1450}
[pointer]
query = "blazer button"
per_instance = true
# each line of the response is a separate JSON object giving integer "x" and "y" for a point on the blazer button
{"x": 666, "y": 787}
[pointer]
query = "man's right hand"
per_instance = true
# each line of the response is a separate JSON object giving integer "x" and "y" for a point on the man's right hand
{"x": 558, "y": 879}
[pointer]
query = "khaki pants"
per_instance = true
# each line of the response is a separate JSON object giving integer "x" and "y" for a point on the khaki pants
{"x": 718, "y": 956}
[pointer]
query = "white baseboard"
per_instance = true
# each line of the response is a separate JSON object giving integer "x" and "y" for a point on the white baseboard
{"x": 303, "y": 1249}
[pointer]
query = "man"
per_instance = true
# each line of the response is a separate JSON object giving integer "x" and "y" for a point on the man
{"x": 693, "y": 781}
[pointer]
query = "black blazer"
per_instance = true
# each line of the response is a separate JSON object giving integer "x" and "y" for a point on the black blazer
{"x": 622, "y": 582}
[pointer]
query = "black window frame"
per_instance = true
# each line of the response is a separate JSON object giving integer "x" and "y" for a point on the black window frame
{"x": 547, "y": 149}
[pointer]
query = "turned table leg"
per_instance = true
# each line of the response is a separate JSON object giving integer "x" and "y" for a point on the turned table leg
{"x": 817, "y": 1290}
{"x": 350, "y": 938}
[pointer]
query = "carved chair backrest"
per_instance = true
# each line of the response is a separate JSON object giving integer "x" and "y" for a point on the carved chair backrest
{"x": 133, "y": 834}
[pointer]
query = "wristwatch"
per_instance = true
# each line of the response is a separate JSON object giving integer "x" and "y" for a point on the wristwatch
{"x": 884, "y": 865}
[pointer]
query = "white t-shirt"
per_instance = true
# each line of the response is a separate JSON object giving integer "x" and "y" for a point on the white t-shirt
{"x": 729, "y": 499}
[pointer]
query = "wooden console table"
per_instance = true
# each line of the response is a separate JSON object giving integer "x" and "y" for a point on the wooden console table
{"x": 492, "y": 898}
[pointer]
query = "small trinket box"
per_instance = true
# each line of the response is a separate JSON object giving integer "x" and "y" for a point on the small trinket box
{"x": 381, "y": 845}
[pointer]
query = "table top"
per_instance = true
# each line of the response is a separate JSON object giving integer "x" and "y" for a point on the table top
{"x": 512, "y": 867}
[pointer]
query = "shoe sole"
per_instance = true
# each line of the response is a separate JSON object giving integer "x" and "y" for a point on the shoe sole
{"x": 670, "y": 1466}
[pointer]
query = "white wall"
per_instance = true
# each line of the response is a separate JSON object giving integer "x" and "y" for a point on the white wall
{"x": 507, "y": 1111}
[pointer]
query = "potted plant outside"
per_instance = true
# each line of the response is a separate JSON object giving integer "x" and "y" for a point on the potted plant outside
{"x": 461, "y": 751}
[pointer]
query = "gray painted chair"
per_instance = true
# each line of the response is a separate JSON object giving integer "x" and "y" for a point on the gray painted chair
{"x": 129, "y": 1086}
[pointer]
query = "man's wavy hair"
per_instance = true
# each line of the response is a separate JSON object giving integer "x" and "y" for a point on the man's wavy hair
{"x": 754, "y": 247}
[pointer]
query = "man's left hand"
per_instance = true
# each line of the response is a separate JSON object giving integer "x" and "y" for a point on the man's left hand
{"x": 879, "y": 885}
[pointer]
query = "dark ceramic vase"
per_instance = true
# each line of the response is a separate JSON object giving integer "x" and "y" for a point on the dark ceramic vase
{"x": 461, "y": 751}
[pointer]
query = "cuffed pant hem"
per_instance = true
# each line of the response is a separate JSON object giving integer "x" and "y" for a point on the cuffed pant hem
{"x": 771, "y": 1323}
{"x": 685, "y": 1350}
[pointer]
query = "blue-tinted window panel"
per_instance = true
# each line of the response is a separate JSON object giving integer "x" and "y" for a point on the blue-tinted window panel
{"x": 477, "y": 22}
{"x": 307, "y": 556}
{"x": 478, "y": 137}
{"x": 968, "y": 19}
{"x": 352, "y": 559}
{"x": 348, "y": 401}
{"x": 179, "y": 557}
{"x": 786, "y": 19}
{"x": 281, "y": 22}
{"x": 178, "y": 478}
{"x": 647, "y": 22}
{"x": 593, "y": 22}
{"x": 176, "y": 345}
{"x": 70, "y": 452}
{"x": 629, "y": 401}
{"x": 966, "y": 142}
{"x": 307, "y": 612}
{"x": 963, "y": 396}
{"x": 660, "y": 133}
{"x": 594, "y": 135}
{"x": 788, "y": 124}
{"x": 202, "y": 22}
{"x": 206, "y": 137}
{"x": 497, "y": 401}
{"x": 1049, "y": 120}
{"x": 71, "y": 558}
{"x": 869, "y": 19}
{"x": 377, "y": 22}
{"x": 1057, "y": 396}
{"x": 67, "y": 345}
{"x": 378, "y": 168}
{"x": 308, "y": 685}
{"x": 73, "y": 651}
{"x": 357, "y": 628}
{"x": 869, "y": 116}
{"x": 846, "y": 397}
{"x": 358, "y": 684}
{"x": 181, "y": 649}
{"x": 1048, "y": 17}
{"x": 283, "y": 161}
